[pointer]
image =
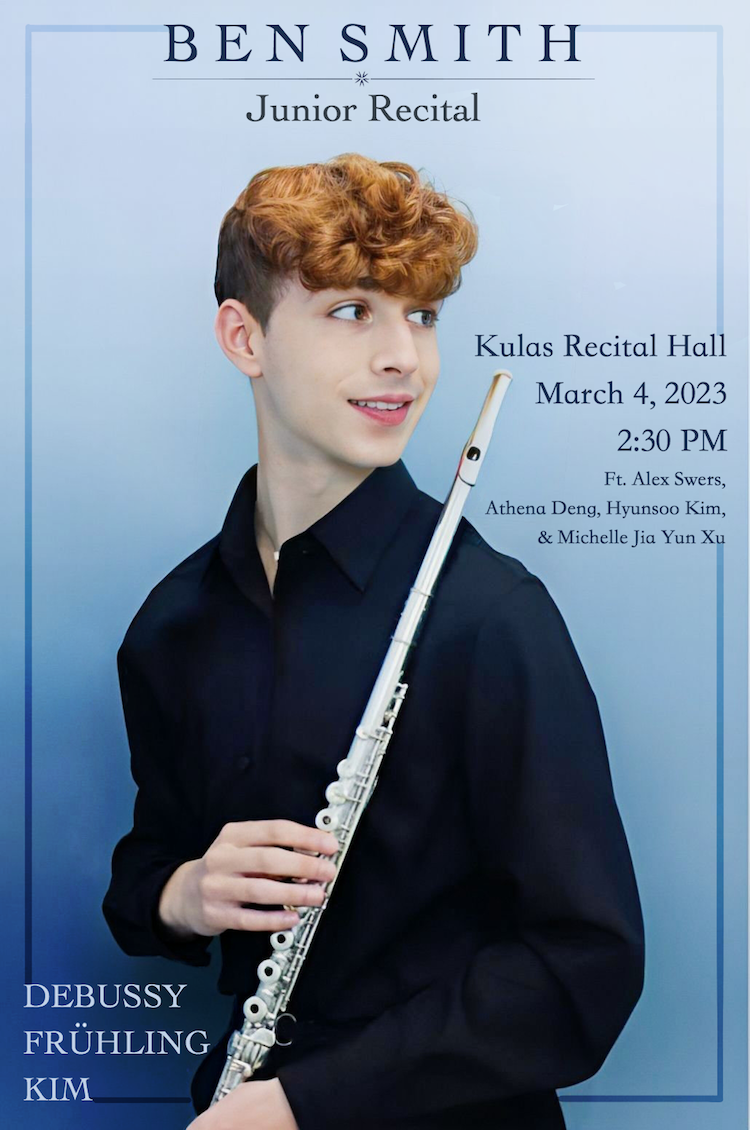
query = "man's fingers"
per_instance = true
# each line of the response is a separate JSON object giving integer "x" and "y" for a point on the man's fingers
{"x": 279, "y": 863}
{"x": 243, "y": 918}
{"x": 267, "y": 891}
{"x": 249, "y": 863}
{"x": 280, "y": 833}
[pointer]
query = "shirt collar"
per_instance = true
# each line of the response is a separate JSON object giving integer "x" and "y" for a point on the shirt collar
{"x": 355, "y": 533}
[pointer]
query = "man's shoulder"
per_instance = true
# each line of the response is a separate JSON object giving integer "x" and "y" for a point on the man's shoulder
{"x": 492, "y": 571}
{"x": 172, "y": 604}
{"x": 482, "y": 589}
{"x": 473, "y": 564}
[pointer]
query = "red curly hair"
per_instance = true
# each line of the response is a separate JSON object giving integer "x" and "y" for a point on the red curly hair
{"x": 348, "y": 221}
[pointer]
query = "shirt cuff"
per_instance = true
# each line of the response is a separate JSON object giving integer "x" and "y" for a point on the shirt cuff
{"x": 135, "y": 923}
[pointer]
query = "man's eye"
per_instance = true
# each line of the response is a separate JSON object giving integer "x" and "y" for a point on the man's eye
{"x": 352, "y": 312}
{"x": 423, "y": 317}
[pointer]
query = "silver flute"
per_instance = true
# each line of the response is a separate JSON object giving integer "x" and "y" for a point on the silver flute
{"x": 357, "y": 774}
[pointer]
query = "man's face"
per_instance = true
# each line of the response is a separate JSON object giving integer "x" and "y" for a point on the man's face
{"x": 344, "y": 374}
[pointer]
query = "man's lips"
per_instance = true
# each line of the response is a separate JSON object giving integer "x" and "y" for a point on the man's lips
{"x": 387, "y": 410}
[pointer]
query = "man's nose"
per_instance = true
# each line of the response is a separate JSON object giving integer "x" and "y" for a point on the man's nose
{"x": 395, "y": 351}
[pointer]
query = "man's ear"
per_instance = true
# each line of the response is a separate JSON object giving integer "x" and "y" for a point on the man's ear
{"x": 240, "y": 336}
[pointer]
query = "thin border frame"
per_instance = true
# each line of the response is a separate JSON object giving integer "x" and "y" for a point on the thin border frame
{"x": 28, "y": 587}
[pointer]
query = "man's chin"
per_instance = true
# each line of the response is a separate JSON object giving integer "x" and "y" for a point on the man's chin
{"x": 376, "y": 457}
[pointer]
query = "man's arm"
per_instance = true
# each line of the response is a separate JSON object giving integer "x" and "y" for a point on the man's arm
{"x": 163, "y": 901}
{"x": 163, "y": 836}
{"x": 539, "y": 1006}
{"x": 169, "y": 896}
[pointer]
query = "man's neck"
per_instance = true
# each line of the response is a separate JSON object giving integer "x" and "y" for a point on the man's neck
{"x": 291, "y": 496}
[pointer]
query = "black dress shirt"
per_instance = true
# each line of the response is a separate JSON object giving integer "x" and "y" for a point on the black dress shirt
{"x": 483, "y": 945}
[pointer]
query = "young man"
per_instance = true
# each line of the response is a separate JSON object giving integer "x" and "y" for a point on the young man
{"x": 483, "y": 945}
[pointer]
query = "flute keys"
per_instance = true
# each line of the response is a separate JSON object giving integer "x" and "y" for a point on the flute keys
{"x": 269, "y": 972}
{"x": 282, "y": 940}
{"x": 327, "y": 819}
{"x": 254, "y": 1009}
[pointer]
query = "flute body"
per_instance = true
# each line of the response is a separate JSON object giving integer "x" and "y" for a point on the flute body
{"x": 357, "y": 773}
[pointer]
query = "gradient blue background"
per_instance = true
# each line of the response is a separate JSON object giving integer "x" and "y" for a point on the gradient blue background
{"x": 597, "y": 204}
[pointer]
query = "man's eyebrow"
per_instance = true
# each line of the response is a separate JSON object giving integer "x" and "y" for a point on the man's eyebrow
{"x": 357, "y": 292}
{"x": 409, "y": 301}
{"x": 436, "y": 302}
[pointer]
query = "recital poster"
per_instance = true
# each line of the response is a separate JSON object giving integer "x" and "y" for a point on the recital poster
{"x": 601, "y": 150}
